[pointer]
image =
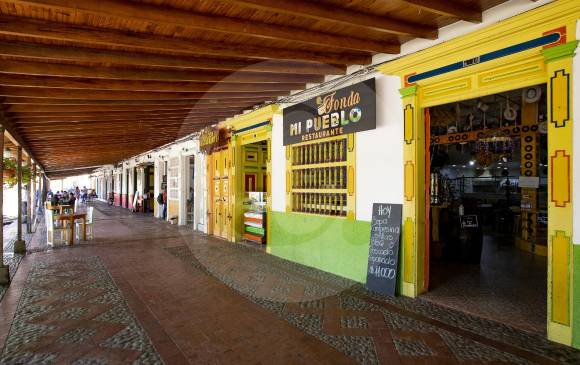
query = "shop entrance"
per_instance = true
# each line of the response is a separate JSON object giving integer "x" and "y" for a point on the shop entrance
{"x": 190, "y": 190}
{"x": 486, "y": 203}
{"x": 254, "y": 191}
{"x": 149, "y": 189}
{"x": 221, "y": 206}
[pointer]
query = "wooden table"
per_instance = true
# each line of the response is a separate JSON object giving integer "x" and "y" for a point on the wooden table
{"x": 71, "y": 218}
{"x": 60, "y": 208}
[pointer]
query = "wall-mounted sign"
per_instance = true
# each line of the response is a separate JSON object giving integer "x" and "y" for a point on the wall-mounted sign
{"x": 384, "y": 248}
{"x": 468, "y": 221}
{"x": 208, "y": 139}
{"x": 212, "y": 138}
{"x": 348, "y": 110}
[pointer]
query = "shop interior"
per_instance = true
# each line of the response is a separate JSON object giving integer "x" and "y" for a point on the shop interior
{"x": 255, "y": 185}
{"x": 487, "y": 207}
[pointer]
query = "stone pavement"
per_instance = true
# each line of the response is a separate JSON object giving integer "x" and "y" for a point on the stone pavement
{"x": 145, "y": 292}
{"x": 10, "y": 258}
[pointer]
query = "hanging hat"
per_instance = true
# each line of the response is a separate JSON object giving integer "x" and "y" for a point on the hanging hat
{"x": 532, "y": 94}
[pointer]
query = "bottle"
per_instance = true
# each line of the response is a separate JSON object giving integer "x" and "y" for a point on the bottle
{"x": 461, "y": 210}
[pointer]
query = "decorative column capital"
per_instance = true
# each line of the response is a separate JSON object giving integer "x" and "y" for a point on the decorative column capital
{"x": 408, "y": 91}
{"x": 566, "y": 50}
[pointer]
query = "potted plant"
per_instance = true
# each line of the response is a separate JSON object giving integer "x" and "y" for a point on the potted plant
{"x": 10, "y": 173}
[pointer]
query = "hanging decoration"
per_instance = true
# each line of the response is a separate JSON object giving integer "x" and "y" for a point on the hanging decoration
{"x": 493, "y": 148}
{"x": 10, "y": 173}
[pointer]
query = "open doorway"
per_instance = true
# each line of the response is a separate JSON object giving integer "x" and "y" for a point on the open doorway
{"x": 190, "y": 199}
{"x": 487, "y": 207}
{"x": 148, "y": 188}
{"x": 255, "y": 191}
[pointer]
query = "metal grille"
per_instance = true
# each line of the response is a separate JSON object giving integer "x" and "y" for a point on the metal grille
{"x": 319, "y": 178}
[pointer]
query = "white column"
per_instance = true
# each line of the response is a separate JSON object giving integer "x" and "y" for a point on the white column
{"x": 19, "y": 245}
{"x": 183, "y": 178}
{"x": 4, "y": 275}
{"x": 157, "y": 186}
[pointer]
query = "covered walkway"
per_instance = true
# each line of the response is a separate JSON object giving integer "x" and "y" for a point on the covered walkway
{"x": 148, "y": 292}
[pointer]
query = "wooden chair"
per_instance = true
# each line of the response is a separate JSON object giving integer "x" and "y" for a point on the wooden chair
{"x": 52, "y": 230}
{"x": 89, "y": 223}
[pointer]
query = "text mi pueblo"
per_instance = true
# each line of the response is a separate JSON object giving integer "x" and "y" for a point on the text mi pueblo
{"x": 331, "y": 116}
{"x": 383, "y": 243}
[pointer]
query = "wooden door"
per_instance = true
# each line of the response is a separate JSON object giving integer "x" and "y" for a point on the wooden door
{"x": 227, "y": 215}
{"x": 217, "y": 194}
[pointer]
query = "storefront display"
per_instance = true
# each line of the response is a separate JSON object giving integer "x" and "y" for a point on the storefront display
{"x": 255, "y": 217}
{"x": 509, "y": 81}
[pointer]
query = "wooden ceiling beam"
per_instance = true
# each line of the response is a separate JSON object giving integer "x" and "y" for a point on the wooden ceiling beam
{"x": 129, "y": 146}
{"x": 30, "y": 92}
{"x": 328, "y": 13}
{"x": 66, "y": 70}
{"x": 34, "y": 52}
{"x": 32, "y": 103}
{"x": 27, "y": 122}
{"x": 167, "y": 16}
{"x": 448, "y": 8}
{"x": 36, "y": 29}
{"x": 132, "y": 85}
{"x": 141, "y": 107}
{"x": 96, "y": 126}
{"x": 88, "y": 116}
{"x": 120, "y": 139}
{"x": 93, "y": 125}
{"x": 101, "y": 133}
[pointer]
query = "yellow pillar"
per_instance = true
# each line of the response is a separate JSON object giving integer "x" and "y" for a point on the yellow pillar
{"x": 560, "y": 268}
{"x": 413, "y": 237}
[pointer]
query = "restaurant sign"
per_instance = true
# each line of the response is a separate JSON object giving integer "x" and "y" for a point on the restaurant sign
{"x": 209, "y": 138}
{"x": 348, "y": 110}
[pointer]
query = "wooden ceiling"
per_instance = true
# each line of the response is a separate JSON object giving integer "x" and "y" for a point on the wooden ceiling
{"x": 92, "y": 82}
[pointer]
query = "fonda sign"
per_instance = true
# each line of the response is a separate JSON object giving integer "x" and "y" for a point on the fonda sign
{"x": 348, "y": 110}
{"x": 211, "y": 138}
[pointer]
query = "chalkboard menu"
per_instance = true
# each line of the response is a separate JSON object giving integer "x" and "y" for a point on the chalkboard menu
{"x": 384, "y": 248}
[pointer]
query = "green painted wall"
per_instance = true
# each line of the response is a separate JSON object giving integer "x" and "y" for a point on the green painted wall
{"x": 335, "y": 245}
{"x": 576, "y": 298}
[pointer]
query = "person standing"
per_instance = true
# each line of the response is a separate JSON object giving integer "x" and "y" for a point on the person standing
{"x": 164, "y": 204}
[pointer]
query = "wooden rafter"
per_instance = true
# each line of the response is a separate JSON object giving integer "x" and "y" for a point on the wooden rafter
{"x": 448, "y": 8}
{"x": 84, "y": 35}
{"x": 146, "y": 85}
{"x": 324, "y": 12}
{"x": 184, "y": 19}
{"x": 35, "y": 51}
{"x": 62, "y": 70}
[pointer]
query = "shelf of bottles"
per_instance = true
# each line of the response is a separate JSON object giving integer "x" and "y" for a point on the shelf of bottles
{"x": 319, "y": 178}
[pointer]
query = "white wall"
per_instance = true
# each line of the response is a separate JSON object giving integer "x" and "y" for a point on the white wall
{"x": 278, "y": 165}
{"x": 379, "y": 152}
{"x": 576, "y": 142}
{"x": 200, "y": 192}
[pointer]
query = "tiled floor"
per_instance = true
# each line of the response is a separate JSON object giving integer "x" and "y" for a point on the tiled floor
{"x": 509, "y": 286}
{"x": 145, "y": 292}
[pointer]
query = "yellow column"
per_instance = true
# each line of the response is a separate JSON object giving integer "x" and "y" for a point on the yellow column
{"x": 413, "y": 236}
{"x": 559, "y": 67}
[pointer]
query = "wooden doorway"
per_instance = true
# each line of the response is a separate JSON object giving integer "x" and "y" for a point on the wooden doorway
{"x": 221, "y": 209}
